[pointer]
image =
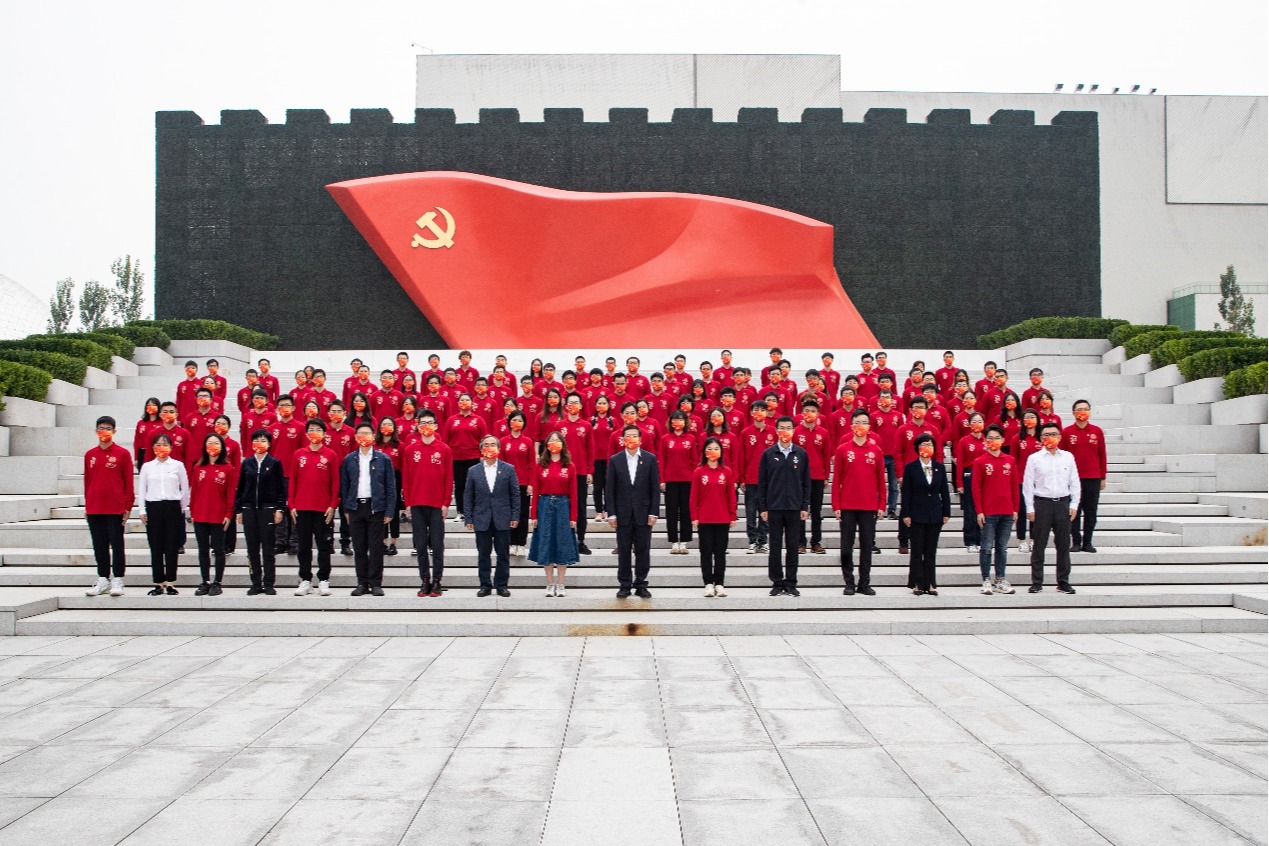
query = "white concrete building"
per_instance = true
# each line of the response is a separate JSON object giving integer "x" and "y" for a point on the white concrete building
{"x": 21, "y": 312}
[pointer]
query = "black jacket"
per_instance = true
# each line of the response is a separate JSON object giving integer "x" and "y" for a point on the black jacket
{"x": 925, "y": 502}
{"x": 784, "y": 484}
{"x": 265, "y": 489}
{"x": 632, "y": 505}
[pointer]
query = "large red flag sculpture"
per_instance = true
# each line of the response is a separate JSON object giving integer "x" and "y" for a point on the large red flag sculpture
{"x": 496, "y": 263}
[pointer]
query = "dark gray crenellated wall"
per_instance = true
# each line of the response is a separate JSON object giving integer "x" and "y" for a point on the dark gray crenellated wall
{"x": 943, "y": 229}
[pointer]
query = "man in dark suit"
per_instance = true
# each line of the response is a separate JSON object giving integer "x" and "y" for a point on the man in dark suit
{"x": 367, "y": 494}
{"x": 927, "y": 505}
{"x": 633, "y": 490}
{"x": 784, "y": 498}
{"x": 491, "y": 504}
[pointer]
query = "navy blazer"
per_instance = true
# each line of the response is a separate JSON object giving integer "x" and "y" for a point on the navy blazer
{"x": 632, "y": 505}
{"x": 925, "y": 502}
{"x": 383, "y": 483}
{"x": 486, "y": 509}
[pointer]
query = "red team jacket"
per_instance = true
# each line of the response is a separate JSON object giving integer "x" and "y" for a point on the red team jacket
{"x": 108, "y": 481}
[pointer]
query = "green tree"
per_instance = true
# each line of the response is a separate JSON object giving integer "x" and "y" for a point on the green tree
{"x": 94, "y": 306}
{"x": 128, "y": 297}
{"x": 1238, "y": 312}
{"x": 61, "y": 307}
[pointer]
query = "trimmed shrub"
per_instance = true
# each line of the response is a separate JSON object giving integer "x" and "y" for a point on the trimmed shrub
{"x": 90, "y": 351}
{"x": 213, "y": 330}
{"x": 1170, "y": 352}
{"x": 61, "y": 366}
{"x": 1246, "y": 381}
{"x": 1219, "y": 362}
{"x": 141, "y": 336}
{"x": 22, "y": 380}
{"x": 1147, "y": 342}
{"x": 1050, "y": 327}
{"x": 117, "y": 344}
{"x": 1121, "y": 335}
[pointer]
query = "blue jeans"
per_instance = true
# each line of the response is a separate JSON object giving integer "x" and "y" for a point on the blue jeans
{"x": 995, "y": 535}
{"x": 755, "y": 526}
{"x": 892, "y": 487}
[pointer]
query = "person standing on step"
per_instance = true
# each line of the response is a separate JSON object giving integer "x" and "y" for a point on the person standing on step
{"x": 677, "y": 459}
{"x": 967, "y": 451}
{"x": 426, "y": 466}
{"x": 995, "y": 482}
{"x": 925, "y": 507}
{"x": 108, "y": 501}
{"x": 213, "y": 487}
{"x": 163, "y": 494}
{"x": 463, "y": 433}
{"x": 714, "y": 509}
{"x": 517, "y": 450}
{"x": 555, "y": 512}
{"x": 817, "y": 440}
{"x": 313, "y": 497}
{"x": 187, "y": 388}
{"x": 260, "y": 501}
{"x": 1051, "y": 488}
{"x": 1024, "y": 446}
{"x": 287, "y": 435}
{"x": 368, "y": 495}
{"x": 754, "y": 440}
{"x": 1087, "y": 445}
{"x": 784, "y": 497}
{"x": 491, "y": 508}
{"x": 149, "y": 423}
{"x": 342, "y": 440}
{"x": 633, "y": 499}
{"x": 233, "y": 453}
{"x": 387, "y": 442}
{"x": 578, "y": 435}
{"x": 859, "y": 500}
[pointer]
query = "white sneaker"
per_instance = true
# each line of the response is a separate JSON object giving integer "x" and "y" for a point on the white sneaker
{"x": 550, "y": 589}
{"x": 977, "y": 548}
{"x": 1003, "y": 586}
{"x": 719, "y": 590}
{"x": 98, "y": 589}
{"x": 969, "y": 548}
{"x": 323, "y": 588}
{"x": 559, "y": 589}
{"x": 1024, "y": 546}
{"x": 709, "y": 590}
{"x": 116, "y": 587}
{"x": 303, "y": 588}
{"x": 753, "y": 547}
{"x": 987, "y": 587}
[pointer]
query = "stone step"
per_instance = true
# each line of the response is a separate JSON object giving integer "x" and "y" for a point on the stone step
{"x": 1080, "y": 381}
{"x": 1178, "y": 439}
{"x": 1146, "y": 414}
{"x": 640, "y": 622}
{"x": 1109, "y": 395}
{"x": 34, "y": 507}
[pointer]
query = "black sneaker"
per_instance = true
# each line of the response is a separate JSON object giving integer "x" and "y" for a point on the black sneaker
{"x": 484, "y": 591}
{"x": 792, "y": 591}
{"x": 376, "y": 591}
{"x": 849, "y": 590}
{"x": 214, "y": 590}
{"x": 360, "y": 590}
{"x": 1088, "y": 547}
{"x": 1034, "y": 589}
{"x": 503, "y": 592}
{"x": 391, "y": 550}
{"x": 776, "y": 590}
{"x": 270, "y": 591}
{"x": 255, "y": 590}
{"x": 202, "y": 589}
{"x": 345, "y": 549}
{"x": 181, "y": 551}
{"x": 157, "y": 591}
{"x": 867, "y": 590}
{"x": 171, "y": 590}
{"x": 1066, "y": 589}
{"x": 643, "y": 593}
{"x": 583, "y": 549}
{"x": 623, "y": 593}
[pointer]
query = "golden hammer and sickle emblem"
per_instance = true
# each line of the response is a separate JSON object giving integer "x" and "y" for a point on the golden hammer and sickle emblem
{"x": 444, "y": 237}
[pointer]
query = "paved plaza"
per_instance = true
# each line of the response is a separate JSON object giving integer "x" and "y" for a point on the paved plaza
{"x": 1127, "y": 739}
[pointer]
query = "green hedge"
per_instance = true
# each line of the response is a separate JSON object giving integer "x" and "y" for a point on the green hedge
{"x": 61, "y": 366}
{"x": 141, "y": 336}
{"x": 1147, "y": 342}
{"x": 90, "y": 351}
{"x": 117, "y": 344}
{"x": 213, "y": 330}
{"x": 22, "y": 380}
{"x": 1219, "y": 362}
{"x": 1170, "y": 352}
{"x": 1246, "y": 381}
{"x": 1050, "y": 327}
{"x": 1121, "y": 335}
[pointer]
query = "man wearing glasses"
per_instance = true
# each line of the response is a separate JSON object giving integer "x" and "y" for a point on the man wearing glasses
{"x": 108, "y": 500}
{"x": 783, "y": 500}
{"x": 995, "y": 490}
{"x": 1051, "y": 489}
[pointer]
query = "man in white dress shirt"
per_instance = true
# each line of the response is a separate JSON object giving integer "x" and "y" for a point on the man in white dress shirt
{"x": 1051, "y": 490}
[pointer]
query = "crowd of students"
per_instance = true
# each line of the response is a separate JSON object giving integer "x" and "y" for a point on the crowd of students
{"x": 412, "y": 444}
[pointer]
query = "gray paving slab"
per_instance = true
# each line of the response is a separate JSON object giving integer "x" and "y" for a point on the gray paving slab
{"x": 1153, "y": 820}
{"x": 889, "y": 821}
{"x": 61, "y": 821}
{"x": 348, "y": 822}
{"x": 754, "y": 822}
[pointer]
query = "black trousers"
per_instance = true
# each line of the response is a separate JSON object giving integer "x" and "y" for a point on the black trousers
{"x": 367, "y": 539}
{"x": 490, "y": 544}
{"x": 1090, "y": 496}
{"x": 816, "y": 516}
{"x": 520, "y": 534}
{"x": 231, "y": 537}
{"x": 755, "y": 527}
{"x": 461, "y": 466}
{"x": 164, "y": 527}
{"x": 211, "y": 545}
{"x": 1052, "y": 517}
{"x": 678, "y": 507}
{"x": 601, "y": 480}
{"x": 428, "y": 528}
{"x": 310, "y": 530}
{"x": 582, "y": 495}
{"x": 106, "y": 531}
{"x": 257, "y": 529}
{"x": 866, "y": 523}
{"x": 1020, "y": 522}
{"x": 970, "y": 533}
{"x": 140, "y": 457}
{"x": 637, "y": 539}
{"x": 921, "y": 559}
{"x": 714, "y": 552}
{"x": 394, "y": 526}
{"x": 784, "y": 526}
{"x": 285, "y": 533}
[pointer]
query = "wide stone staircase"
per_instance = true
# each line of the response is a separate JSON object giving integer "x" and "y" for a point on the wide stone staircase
{"x": 1181, "y": 533}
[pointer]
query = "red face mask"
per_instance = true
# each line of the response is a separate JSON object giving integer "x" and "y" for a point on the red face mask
{"x": 1036, "y": 380}
{"x": 167, "y": 416}
{"x": 555, "y": 447}
{"x": 925, "y": 451}
{"x": 860, "y": 429}
{"x": 220, "y": 429}
{"x": 1011, "y": 404}
{"x": 713, "y": 453}
{"x": 918, "y": 414}
{"x": 1081, "y": 416}
{"x": 386, "y": 430}
{"x": 105, "y": 436}
{"x": 365, "y": 439}
{"x": 631, "y": 442}
{"x": 427, "y": 430}
{"x": 213, "y": 449}
{"x": 162, "y": 451}
{"x": 316, "y": 437}
{"x": 1050, "y": 441}
{"x": 258, "y": 447}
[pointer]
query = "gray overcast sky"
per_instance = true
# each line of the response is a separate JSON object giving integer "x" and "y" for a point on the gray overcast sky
{"x": 81, "y": 80}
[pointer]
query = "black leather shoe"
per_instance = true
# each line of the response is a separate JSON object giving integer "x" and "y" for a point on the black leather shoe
{"x": 360, "y": 590}
{"x": 391, "y": 550}
{"x": 792, "y": 591}
{"x": 583, "y": 549}
{"x": 376, "y": 591}
{"x": 776, "y": 590}
{"x": 484, "y": 591}
{"x": 849, "y": 590}
{"x": 202, "y": 589}
{"x": 932, "y": 592}
{"x": 157, "y": 591}
{"x": 1088, "y": 547}
{"x": 270, "y": 591}
{"x": 623, "y": 593}
{"x": 643, "y": 593}
{"x": 1066, "y": 589}
{"x": 1034, "y": 589}
{"x": 345, "y": 549}
{"x": 867, "y": 590}
{"x": 503, "y": 592}
{"x": 255, "y": 590}
{"x": 214, "y": 590}
{"x": 171, "y": 591}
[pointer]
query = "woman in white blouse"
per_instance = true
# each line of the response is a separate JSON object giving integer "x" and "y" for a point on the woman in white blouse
{"x": 164, "y": 496}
